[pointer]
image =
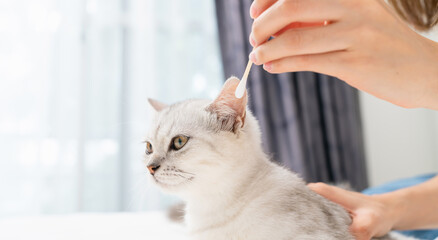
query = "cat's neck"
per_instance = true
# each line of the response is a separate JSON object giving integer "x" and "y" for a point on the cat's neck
{"x": 224, "y": 201}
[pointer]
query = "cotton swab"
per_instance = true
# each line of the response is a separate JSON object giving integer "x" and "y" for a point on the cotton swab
{"x": 240, "y": 90}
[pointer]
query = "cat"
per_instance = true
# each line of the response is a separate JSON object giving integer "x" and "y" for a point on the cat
{"x": 210, "y": 154}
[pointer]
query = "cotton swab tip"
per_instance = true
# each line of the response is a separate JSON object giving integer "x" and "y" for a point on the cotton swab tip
{"x": 240, "y": 90}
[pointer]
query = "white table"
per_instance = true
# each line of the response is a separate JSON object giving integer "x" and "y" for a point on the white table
{"x": 86, "y": 226}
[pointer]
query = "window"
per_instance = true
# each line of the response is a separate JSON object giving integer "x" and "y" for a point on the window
{"x": 74, "y": 84}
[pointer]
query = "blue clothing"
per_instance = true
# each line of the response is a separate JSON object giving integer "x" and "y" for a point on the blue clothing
{"x": 404, "y": 183}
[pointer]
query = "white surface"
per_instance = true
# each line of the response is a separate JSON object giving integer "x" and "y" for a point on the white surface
{"x": 399, "y": 142}
{"x": 117, "y": 226}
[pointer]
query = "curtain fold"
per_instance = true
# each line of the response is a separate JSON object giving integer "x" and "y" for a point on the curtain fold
{"x": 310, "y": 122}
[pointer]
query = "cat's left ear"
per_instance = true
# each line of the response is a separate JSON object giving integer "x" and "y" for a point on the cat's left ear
{"x": 158, "y": 106}
{"x": 230, "y": 110}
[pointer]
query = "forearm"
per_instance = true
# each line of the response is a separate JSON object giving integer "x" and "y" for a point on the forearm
{"x": 415, "y": 207}
{"x": 431, "y": 91}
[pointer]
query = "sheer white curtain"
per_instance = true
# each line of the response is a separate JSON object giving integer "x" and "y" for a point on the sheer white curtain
{"x": 74, "y": 79}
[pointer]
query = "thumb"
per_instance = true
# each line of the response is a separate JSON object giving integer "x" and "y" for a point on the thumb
{"x": 349, "y": 200}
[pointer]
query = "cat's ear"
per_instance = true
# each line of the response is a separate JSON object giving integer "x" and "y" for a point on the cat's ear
{"x": 229, "y": 109}
{"x": 158, "y": 106}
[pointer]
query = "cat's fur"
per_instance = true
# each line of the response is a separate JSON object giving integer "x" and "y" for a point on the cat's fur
{"x": 233, "y": 191}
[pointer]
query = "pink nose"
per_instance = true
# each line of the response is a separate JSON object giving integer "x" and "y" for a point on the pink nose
{"x": 153, "y": 168}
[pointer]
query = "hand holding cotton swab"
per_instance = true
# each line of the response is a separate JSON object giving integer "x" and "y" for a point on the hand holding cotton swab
{"x": 240, "y": 90}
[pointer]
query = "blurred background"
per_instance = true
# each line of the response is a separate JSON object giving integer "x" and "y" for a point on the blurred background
{"x": 74, "y": 79}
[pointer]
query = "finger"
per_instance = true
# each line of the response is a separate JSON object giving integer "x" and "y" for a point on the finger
{"x": 326, "y": 63}
{"x": 295, "y": 25}
{"x": 349, "y": 200}
{"x": 282, "y": 13}
{"x": 361, "y": 236}
{"x": 301, "y": 41}
{"x": 259, "y": 6}
{"x": 361, "y": 231}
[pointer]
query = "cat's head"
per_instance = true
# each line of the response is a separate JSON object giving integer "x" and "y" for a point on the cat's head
{"x": 195, "y": 144}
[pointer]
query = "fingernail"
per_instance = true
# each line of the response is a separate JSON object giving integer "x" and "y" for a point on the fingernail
{"x": 253, "y": 57}
{"x": 253, "y": 12}
{"x": 267, "y": 66}
{"x": 252, "y": 41}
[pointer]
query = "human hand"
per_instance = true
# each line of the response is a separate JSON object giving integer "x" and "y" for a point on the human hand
{"x": 365, "y": 44}
{"x": 373, "y": 216}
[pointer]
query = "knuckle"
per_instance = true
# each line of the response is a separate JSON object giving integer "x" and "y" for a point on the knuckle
{"x": 357, "y": 59}
{"x": 261, "y": 55}
{"x": 290, "y": 6}
{"x": 374, "y": 216}
{"x": 361, "y": 229}
{"x": 279, "y": 66}
{"x": 255, "y": 30}
{"x": 295, "y": 39}
{"x": 303, "y": 62}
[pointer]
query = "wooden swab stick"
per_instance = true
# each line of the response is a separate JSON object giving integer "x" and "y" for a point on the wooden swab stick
{"x": 240, "y": 90}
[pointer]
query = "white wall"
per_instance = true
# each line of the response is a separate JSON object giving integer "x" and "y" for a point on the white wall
{"x": 398, "y": 142}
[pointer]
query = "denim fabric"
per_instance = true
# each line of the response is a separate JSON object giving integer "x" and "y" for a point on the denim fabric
{"x": 404, "y": 183}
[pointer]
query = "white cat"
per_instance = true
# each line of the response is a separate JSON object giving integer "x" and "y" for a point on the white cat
{"x": 210, "y": 154}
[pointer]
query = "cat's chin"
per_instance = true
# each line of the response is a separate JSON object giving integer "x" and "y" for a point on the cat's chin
{"x": 172, "y": 187}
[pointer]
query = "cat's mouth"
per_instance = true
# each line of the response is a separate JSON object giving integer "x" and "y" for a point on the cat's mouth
{"x": 172, "y": 184}
{"x": 167, "y": 183}
{"x": 172, "y": 179}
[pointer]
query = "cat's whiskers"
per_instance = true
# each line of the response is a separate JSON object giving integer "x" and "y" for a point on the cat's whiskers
{"x": 171, "y": 176}
{"x": 172, "y": 169}
{"x": 181, "y": 171}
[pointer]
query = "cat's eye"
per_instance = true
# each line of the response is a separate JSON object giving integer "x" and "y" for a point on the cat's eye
{"x": 178, "y": 142}
{"x": 149, "y": 149}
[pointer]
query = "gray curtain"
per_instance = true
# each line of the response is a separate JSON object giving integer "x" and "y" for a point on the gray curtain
{"x": 310, "y": 122}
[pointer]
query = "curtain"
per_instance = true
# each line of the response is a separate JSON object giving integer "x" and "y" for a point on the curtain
{"x": 310, "y": 122}
{"x": 75, "y": 76}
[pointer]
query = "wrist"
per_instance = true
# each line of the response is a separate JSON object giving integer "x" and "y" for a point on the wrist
{"x": 395, "y": 205}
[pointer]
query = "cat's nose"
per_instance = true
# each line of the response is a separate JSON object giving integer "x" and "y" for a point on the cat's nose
{"x": 153, "y": 168}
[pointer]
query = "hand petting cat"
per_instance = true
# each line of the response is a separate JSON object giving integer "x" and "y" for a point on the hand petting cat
{"x": 404, "y": 209}
{"x": 372, "y": 215}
